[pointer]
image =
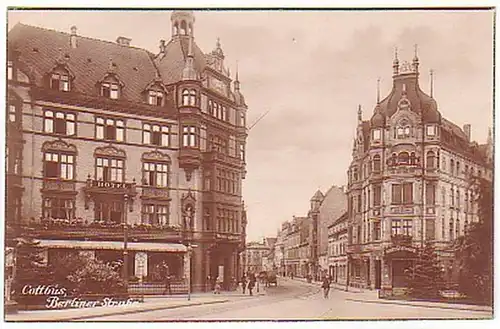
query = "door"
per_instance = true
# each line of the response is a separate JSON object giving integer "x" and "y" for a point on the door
{"x": 378, "y": 274}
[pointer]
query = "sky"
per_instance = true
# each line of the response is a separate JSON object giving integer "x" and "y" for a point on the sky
{"x": 311, "y": 70}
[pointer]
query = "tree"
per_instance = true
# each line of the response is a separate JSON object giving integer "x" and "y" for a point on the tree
{"x": 31, "y": 265}
{"x": 425, "y": 277}
{"x": 95, "y": 277}
{"x": 474, "y": 250}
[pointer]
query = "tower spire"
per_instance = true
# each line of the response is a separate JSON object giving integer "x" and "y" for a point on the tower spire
{"x": 432, "y": 81}
{"x": 189, "y": 73}
{"x": 237, "y": 79}
{"x": 360, "y": 113}
{"x": 395, "y": 62}
{"x": 415, "y": 59}
{"x": 378, "y": 90}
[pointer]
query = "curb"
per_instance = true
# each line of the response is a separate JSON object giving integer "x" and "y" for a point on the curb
{"x": 121, "y": 312}
{"x": 418, "y": 305}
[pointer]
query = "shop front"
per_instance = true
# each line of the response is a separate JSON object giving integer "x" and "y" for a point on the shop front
{"x": 396, "y": 260}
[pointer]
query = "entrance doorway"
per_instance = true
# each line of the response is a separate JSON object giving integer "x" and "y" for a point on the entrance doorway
{"x": 399, "y": 277}
{"x": 378, "y": 274}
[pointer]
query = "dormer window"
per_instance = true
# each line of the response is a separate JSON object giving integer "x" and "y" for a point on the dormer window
{"x": 59, "y": 81}
{"x": 155, "y": 98}
{"x": 110, "y": 90}
{"x": 376, "y": 134}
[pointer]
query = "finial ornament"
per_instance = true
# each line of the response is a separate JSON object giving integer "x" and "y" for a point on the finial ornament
{"x": 432, "y": 81}
{"x": 378, "y": 90}
{"x": 396, "y": 53}
{"x": 237, "y": 76}
{"x": 360, "y": 113}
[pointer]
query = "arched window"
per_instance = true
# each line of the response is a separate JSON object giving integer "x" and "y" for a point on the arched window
{"x": 185, "y": 97}
{"x": 192, "y": 97}
{"x": 431, "y": 160}
{"x": 403, "y": 158}
{"x": 452, "y": 166}
{"x": 183, "y": 29}
{"x": 376, "y": 163}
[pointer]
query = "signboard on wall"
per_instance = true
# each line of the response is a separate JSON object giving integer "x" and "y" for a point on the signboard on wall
{"x": 141, "y": 264}
{"x": 221, "y": 271}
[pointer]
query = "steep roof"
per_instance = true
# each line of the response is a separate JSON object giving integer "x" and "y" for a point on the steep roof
{"x": 172, "y": 62}
{"x": 90, "y": 61}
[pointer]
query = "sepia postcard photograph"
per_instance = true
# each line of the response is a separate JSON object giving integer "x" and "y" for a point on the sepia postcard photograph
{"x": 248, "y": 164}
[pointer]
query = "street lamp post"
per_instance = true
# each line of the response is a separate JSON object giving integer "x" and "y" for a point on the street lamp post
{"x": 125, "y": 242}
{"x": 190, "y": 253}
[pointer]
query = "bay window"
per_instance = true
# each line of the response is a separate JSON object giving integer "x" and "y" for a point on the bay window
{"x": 189, "y": 136}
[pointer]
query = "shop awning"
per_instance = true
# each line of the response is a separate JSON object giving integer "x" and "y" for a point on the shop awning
{"x": 113, "y": 245}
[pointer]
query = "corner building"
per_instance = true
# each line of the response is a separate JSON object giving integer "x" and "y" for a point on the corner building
{"x": 103, "y": 133}
{"x": 408, "y": 184}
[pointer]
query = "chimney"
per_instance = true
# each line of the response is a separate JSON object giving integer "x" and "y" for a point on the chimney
{"x": 72, "y": 38}
{"x": 467, "y": 131}
{"x": 162, "y": 46}
{"x": 123, "y": 41}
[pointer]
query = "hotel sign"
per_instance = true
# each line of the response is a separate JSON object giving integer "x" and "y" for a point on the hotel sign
{"x": 394, "y": 249}
{"x": 111, "y": 185}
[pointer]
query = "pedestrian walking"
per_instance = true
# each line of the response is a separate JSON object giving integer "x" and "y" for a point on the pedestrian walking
{"x": 218, "y": 283}
{"x": 244, "y": 283}
{"x": 251, "y": 283}
{"x": 326, "y": 286}
{"x": 168, "y": 282}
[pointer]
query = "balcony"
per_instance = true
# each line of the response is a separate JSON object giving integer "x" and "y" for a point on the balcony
{"x": 149, "y": 192}
{"x": 401, "y": 240}
{"x": 98, "y": 230}
{"x": 214, "y": 156}
{"x": 58, "y": 185}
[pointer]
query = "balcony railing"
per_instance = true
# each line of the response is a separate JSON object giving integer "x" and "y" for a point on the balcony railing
{"x": 78, "y": 228}
{"x": 401, "y": 240}
{"x": 57, "y": 184}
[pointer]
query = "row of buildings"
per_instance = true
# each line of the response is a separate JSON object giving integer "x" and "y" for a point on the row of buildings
{"x": 408, "y": 184}
{"x": 109, "y": 142}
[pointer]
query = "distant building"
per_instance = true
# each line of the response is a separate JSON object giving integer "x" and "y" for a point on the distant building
{"x": 337, "y": 249}
{"x": 408, "y": 183}
{"x": 255, "y": 258}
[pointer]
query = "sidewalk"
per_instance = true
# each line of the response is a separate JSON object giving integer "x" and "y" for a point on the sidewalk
{"x": 371, "y": 296}
{"x": 151, "y": 303}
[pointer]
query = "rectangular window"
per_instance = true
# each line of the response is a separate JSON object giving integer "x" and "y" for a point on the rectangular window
{"x": 377, "y": 195}
{"x": 155, "y": 214}
{"x": 59, "y": 82}
{"x": 402, "y": 193}
{"x": 407, "y": 227}
{"x": 155, "y": 174}
{"x": 110, "y": 90}
{"x": 59, "y": 165}
{"x": 189, "y": 136}
{"x": 156, "y": 135}
{"x": 376, "y": 231}
{"x": 12, "y": 113}
{"x": 376, "y": 134}
{"x": 59, "y": 123}
{"x": 242, "y": 119}
{"x": 10, "y": 70}
{"x": 430, "y": 229}
{"x": 396, "y": 227}
{"x": 430, "y": 194}
{"x": 58, "y": 208}
{"x": 431, "y": 130}
{"x": 155, "y": 98}
{"x": 110, "y": 129}
{"x": 109, "y": 169}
